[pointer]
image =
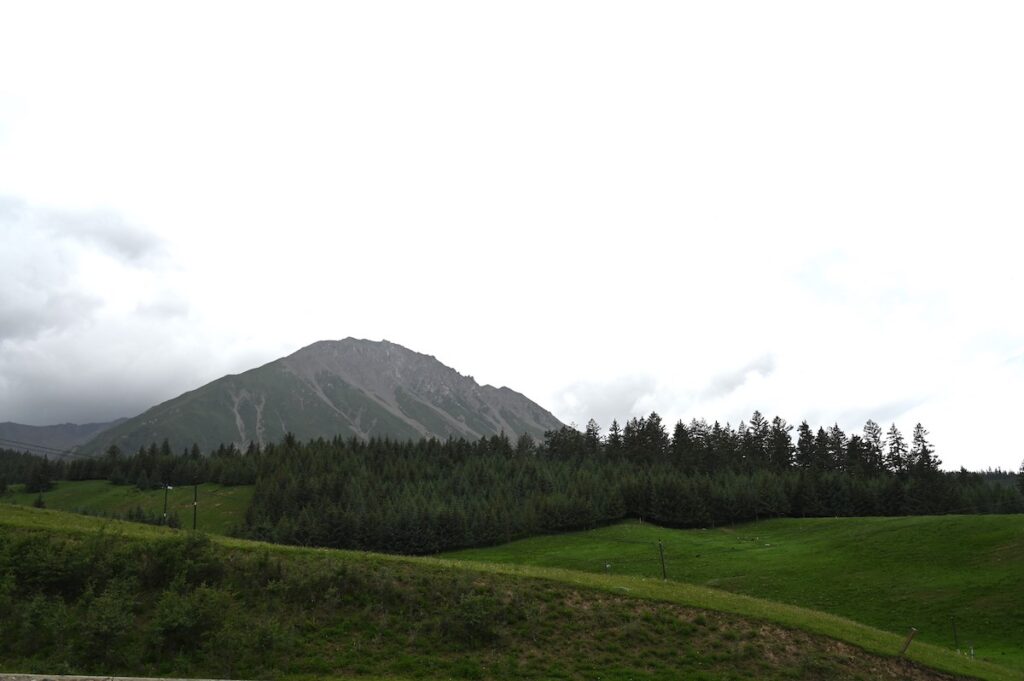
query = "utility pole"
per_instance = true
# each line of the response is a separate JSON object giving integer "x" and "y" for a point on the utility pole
{"x": 195, "y": 503}
{"x": 661, "y": 550}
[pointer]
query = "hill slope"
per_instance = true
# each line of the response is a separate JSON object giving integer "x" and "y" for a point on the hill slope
{"x": 348, "y": 388}
{"x": 133, "y": 599}
{"x": 220, "y": 509}
{"x": 891, "y": 573}
{"x": 44, "y": 438}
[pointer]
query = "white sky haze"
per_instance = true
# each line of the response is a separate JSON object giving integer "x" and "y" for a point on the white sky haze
{"x": 811, "y": 209}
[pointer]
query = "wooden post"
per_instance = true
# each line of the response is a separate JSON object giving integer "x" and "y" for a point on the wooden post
{"x": 956, "y": 639}
{"x": 195, "y": 504}
{"x": 906, "y": 644}
{"x": 661, "y": 550}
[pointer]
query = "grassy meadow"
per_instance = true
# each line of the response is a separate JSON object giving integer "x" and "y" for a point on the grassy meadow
{"x": 220, "y": 508}
{"x": 891, "y": 573}
{"x": 82, "y": 594}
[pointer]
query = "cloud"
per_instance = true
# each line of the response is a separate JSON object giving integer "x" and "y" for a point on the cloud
{"x": 38, "y": 292}
{"x": 883, "y": 414}
{"x": 104, "y": 231}
{"x": 25, "y": 312}
{"x": 727, "y": 383}
{"x": 45, "y": 285}
{"x": 91, "y": 323}
{"x": 604, "y": 401}
{"x": 166, "y": 305}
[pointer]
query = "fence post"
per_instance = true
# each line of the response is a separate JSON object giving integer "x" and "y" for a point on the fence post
{"x": 906, "y": 644}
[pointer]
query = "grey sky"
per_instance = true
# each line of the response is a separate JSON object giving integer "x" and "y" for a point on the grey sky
{"x": 807, "y": 209}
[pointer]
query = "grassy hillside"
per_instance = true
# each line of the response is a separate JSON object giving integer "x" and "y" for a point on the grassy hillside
{"x": 220, "y": 508}
{"x": 135, "y": 599}
{"x": 891, "y": 573}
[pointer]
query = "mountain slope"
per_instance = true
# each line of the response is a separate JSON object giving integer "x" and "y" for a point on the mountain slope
{"x": 40, "y": 439}
{"x": 163, "y": 602}
{"x": 349, "y": 388}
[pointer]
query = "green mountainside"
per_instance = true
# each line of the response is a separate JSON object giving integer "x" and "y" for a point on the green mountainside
{"x": 81, "y": 595}
{"x": 221, "y": 509}
{"x": 333, "y": 388}
{"x": 933, "y": 573}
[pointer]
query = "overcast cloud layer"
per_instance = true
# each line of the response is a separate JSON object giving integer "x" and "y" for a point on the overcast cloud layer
{"x": 703, "y": 209}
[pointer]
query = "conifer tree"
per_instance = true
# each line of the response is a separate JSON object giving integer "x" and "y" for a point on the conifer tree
{"x": 804, "y": 446}
{"x": 896, "y": 455}
{"x": 699, "y": 436}
{"x": 857, "y": 456}
{"x": 592, "y": 437}
{"x": 755, "y": 442}
{"x": 835, "y": 448}
{"x": 873, "y": 446}
{"x": 821, "y": 450}
{"x": 39, "y": 477}
{"x": 682, "y": 449}
{"x": 922, "y": 454}
{"x": 780, "y": 444}
{"x": 653, "y": 437}
{"x": 614, "y": 437}
{"x": 525, "y": 444}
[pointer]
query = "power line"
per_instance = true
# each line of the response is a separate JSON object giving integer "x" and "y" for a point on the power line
{"x": 45, "y": 449}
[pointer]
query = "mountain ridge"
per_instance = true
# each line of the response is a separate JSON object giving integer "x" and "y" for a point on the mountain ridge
{"x": 349, "y": 387}
{"x": 43, "y": 439}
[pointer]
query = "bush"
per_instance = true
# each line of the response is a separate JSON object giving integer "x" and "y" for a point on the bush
{"x": 108, "y": 622}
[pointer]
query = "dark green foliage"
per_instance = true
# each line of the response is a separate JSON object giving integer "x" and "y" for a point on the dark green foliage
{"x": 428, "y": 496}
{"x": 216, "y": 612}
{"x": 105, "y": 633}
{"x": 40, "y": 476}
{"x": 140, "y": 515}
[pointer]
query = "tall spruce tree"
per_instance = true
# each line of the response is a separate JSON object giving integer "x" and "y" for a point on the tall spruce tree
{"x": 822, "y": 457}
{"x": 682, "y": 448}
{"x": 804, "y": 446}
{"x": 592, "y": 437}
{"x": 835, "y": 456}
{"x": 614, "y": 442}
{"x": 922, "y": 454}
{"x": 756, "y": 442}
{"x": 654, "y": 437}
{"x": 896, "y": 453}
{"x": 780, "y": 444}
{"x": 873, "y": 447}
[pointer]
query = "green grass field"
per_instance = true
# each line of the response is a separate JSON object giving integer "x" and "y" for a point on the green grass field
{"x": 890, "y": 573}
{"x": 220, "y": 508}
{"x": 301, "y": 613}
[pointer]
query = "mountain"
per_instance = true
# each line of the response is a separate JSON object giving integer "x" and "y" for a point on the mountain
{"x": 349, "y": 388}
{"x": 46, "y": 439}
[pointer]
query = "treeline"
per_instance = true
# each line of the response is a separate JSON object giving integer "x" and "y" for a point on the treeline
{"x": 431, "y": 495}
{"x": 148, "y": 468}
{"x": 428, "y": 496}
